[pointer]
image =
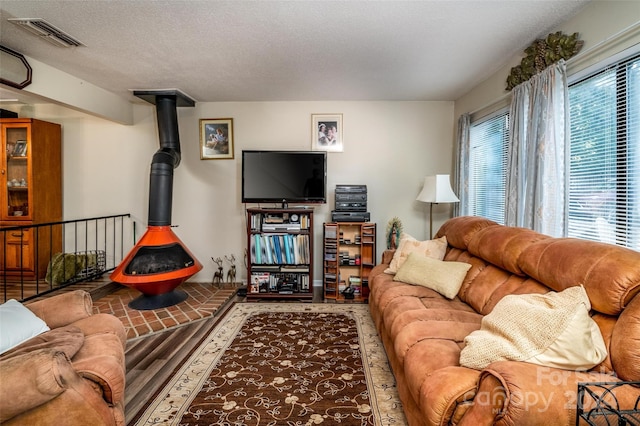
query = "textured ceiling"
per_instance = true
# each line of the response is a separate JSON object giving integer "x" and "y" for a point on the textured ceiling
{"x": 286, "y": 50}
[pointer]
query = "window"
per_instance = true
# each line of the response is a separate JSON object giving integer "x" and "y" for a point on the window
{"x": 604, "y": 169}
{"x": 488, "y": 141}
{"x": 604, "y": 161}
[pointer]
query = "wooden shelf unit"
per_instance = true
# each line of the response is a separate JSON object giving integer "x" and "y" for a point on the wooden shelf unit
{"x": 30, "y": 193}
{"x": 280, "y": 253}
{"x": 348, "y": 258}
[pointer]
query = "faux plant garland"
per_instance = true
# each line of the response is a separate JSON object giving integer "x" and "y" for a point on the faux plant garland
{"x": 541, "y": 54}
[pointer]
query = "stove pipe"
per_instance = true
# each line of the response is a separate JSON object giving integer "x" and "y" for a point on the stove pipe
{"x": 164, "y": 161}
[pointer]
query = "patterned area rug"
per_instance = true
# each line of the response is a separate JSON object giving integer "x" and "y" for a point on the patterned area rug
{"x": 283, "y": 364}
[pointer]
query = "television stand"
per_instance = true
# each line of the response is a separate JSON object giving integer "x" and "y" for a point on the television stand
{"x": 280, "y": 253}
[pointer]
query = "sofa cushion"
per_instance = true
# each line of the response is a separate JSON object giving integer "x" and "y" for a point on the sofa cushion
{"x": 552, "y": 329}
{"x": 101, "y": 360}
{"x": 609, "y": 273}
{"x": 63, "y": 309}
{"x": 67, "y": 339}
{"x": 625, "y": 343}
{"x": 444, "y": 277}
{"x": 18, "y": 324}
{"x": 431, "y": 248}
{"x": 503, "y": 245}
{"x": 460, "y": 230}
{"x": 31, "y": 381}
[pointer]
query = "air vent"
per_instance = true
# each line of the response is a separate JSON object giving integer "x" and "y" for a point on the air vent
{"x": 46, "y": 31}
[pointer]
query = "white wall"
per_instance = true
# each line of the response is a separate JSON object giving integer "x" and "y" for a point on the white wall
{"x": 598, "y": 25}
{"x": 389, "y": 146}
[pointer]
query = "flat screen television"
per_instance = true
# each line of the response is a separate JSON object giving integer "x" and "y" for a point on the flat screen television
{"x": 284, "y": 177}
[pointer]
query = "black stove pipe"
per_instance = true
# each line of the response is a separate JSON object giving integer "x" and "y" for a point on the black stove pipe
{"x": 164, "y": 161}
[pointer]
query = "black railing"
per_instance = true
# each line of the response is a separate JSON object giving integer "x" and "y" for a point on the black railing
{"x": 598, "y": 404}
{"x": 41, "y": 258}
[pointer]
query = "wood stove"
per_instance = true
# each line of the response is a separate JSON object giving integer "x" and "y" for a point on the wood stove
{"x": 160, "y": 262}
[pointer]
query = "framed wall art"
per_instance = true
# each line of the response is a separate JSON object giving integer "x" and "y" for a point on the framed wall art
{"x": 326, "y": 132}
{"x": 216, "y": 138}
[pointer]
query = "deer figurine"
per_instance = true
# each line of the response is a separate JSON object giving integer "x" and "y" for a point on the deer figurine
{"x": 218, "y": 276}
{"x": 231, "y": 273}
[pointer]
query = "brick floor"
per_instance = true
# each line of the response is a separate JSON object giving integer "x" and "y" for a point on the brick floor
{"x": 204, "y": 299}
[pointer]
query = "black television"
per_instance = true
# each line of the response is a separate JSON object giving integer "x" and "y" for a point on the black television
{"x": 284, "y": 177}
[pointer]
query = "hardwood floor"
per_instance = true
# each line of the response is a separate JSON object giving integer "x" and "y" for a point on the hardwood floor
{"x": 151, "y": 360}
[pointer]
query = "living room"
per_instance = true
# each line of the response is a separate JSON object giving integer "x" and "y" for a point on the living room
{"x": 390, "y": 146}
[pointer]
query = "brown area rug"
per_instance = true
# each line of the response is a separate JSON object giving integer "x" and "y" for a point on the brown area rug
{"x": 283, "y": 364}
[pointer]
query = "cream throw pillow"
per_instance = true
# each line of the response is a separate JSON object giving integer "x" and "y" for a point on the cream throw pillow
{"x": 552, "y": 329}
{"x": 18, "y": 324}
{"x": 444, "y": 277}
{"x": 435, "y": 249}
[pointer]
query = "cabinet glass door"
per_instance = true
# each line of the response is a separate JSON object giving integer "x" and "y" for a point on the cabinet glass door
{"x": 16, "y": 173}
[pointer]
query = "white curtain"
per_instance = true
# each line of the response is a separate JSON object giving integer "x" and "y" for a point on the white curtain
{"x": 538, "y": 144}
{"x": 461, "y": 173}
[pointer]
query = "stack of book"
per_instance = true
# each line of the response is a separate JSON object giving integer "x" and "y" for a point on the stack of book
{"x": 280, "y": 249}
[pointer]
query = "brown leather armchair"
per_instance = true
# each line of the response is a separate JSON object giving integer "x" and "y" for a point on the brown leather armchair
{"x": 73, "y": 374}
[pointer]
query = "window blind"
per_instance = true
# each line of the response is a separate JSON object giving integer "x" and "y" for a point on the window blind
{"x": 488, "y": 141}
{"x": 604, "y": 170}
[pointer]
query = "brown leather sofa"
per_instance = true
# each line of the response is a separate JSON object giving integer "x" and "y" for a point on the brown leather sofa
{"x": 423, "y": 332}
{"x": 73, "y": 374}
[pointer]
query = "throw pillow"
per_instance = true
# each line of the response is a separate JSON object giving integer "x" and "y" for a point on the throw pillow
{"x": 392, "y": 269}
{"x": 444, "y": 277}
{"x": 18, "y": 324}
{"x": 435, "y": 249}
{"x": 552, "y": 329}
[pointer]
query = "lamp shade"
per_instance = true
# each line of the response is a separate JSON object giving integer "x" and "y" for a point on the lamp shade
{"x": 437, "y": 189}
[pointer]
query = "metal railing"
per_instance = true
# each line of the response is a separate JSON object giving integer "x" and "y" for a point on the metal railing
{"x": 41, "y": 258}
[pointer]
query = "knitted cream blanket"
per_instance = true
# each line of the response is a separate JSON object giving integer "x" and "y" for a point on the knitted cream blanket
{"x": 523, "y": 326}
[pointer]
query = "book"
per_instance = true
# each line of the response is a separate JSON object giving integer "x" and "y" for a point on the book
{"x": 287, "y": 254}
{"x": 276, "y": 243}
{"x": 258, "y": 249}
{"x": 267, "y": 243}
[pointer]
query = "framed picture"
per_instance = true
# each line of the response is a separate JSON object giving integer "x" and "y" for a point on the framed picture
{"x": 326, "y": 132}
{"x": 20, "y": 149}
{"x": 216, "y": 138}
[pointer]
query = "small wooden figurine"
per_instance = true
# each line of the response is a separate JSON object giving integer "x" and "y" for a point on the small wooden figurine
{"x": 218, "y": 276}
{"x": 231, "y": 273}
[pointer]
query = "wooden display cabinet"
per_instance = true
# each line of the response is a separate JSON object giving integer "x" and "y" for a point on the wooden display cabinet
{"x": 280, "y": 253}
{"x": 30, "y": 193}
{"x": 349, "y": 256}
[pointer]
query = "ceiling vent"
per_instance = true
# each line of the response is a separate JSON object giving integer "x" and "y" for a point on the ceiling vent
{"x": 46, "y": 31}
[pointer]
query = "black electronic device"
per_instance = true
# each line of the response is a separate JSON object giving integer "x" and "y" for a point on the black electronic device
{"x": 342, "y": 216}
{"x": 284, "y": 177}
{"x": 346, "y": 206}
{"x": 351, "y": 198}
{"x": 359, "y": 189}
